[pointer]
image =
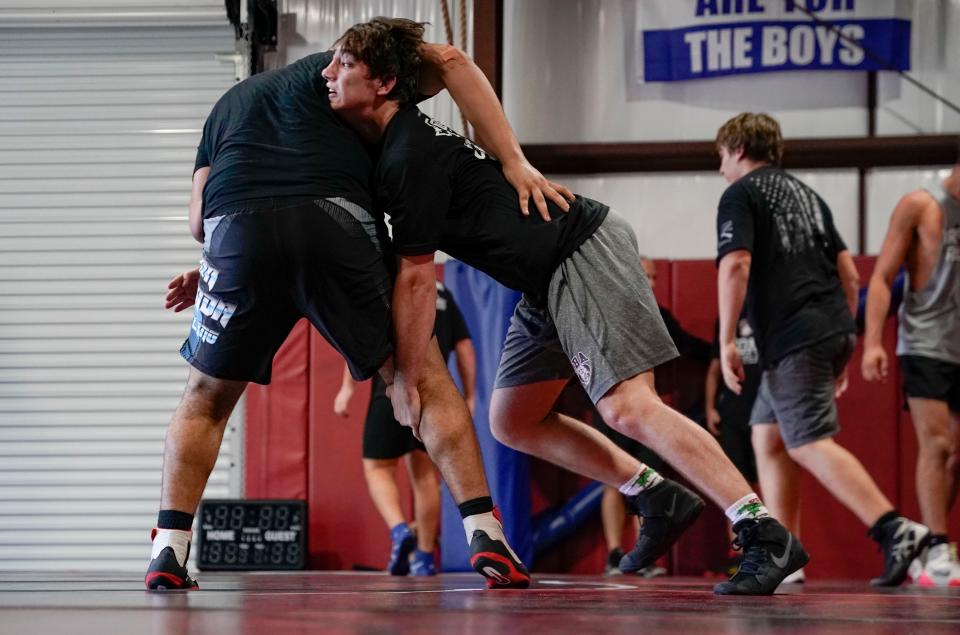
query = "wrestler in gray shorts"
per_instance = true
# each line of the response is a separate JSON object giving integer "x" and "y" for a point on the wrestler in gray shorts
{"x": 797, "y": 392}
{"x": 600, "y": 322}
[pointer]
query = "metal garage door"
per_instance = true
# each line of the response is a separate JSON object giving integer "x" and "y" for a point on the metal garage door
{"x": 101, "y": 105}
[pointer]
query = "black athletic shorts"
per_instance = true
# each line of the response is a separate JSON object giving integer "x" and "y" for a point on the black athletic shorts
{"x": 383, "y": 436}
{"x": 265, "y": 267}
{"x": 928, "y": 378}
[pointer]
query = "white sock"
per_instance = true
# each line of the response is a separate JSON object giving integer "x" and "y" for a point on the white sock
{"x": 176, "y": 538}
{"x": 750, "y": 506}
{"x": 645, "y": 478}
{"x": 488, "y": 523}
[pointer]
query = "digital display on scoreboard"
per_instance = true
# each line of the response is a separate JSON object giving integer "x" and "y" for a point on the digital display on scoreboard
{"x": 250, "y": 535}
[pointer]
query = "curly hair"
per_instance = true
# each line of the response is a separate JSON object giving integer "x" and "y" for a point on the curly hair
{"x": 390, "y": 47}
{"x": 758, "y": 133}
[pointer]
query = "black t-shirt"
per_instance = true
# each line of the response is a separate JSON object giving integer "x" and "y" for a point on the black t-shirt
{"x": 273, "y": 136}
{"x": 794, "y": 298}
{"x": 449, "y": 327}
{"x": 731, "y": 406}
{"x": 443, "y": 192}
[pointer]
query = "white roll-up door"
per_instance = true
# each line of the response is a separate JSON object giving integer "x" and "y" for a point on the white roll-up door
{"x": 101, "y": 107}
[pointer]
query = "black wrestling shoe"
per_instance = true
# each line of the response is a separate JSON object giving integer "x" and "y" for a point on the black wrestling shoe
{"x": 166, "y": 574}
{"x": 613, "y": 562}
{"x": 901, "y": 540}
{"x": 667, "y": 511}
{"x": 770, "y": 554}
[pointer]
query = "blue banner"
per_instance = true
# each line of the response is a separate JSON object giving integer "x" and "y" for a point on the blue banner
{"x": 733, "y": 48}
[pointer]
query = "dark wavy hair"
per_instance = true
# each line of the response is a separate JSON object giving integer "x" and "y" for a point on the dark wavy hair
{"x": 758, "y": 133}
{"x": 390, "y": 47}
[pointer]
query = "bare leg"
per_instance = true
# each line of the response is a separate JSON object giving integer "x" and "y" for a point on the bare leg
{"x": 447, "y": 430}
{"x": 426, "y": 498}
{"x": 522, "y": 418}
{"x": 381, "y": 476}
{"x": 953, "y": 463}
{"x": 613, "y": 514}
{"x": 842, "y": 474}
{"x": 633, "y": 408}
{"x": 193, "y": 438}
{"x": 779, "y": 476}
{"x": 935, "y": 482}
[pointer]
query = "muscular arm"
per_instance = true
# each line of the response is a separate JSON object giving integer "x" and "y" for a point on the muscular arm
{"x": 467, "y": 367}
{"x": 196, "y": 203}
{"x": 903, "y": 225}
{"x": 414, "y": 311}
{"x": 732, "y": 282}
{"x": 893, "y": 253}
{"x": 448, "y": 67}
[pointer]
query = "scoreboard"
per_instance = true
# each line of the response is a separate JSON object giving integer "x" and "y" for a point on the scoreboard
{"x": 251, "y": 535}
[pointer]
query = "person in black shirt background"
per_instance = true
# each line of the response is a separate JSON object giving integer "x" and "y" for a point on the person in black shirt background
{"x": 385, "y": 441}
{"x": 587, "y": 312}
{"x": 778, "y": 248}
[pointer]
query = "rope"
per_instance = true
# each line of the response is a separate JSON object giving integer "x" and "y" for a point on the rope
{"x": 448, "y": 29}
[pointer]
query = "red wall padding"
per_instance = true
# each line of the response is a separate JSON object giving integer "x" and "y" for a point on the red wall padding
{"x": 297, "y": 448}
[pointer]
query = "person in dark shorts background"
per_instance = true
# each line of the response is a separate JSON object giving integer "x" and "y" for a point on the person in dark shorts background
{"x": 613, "y": 510}
{"x": 777, "y": 247}
{"x": 280, "y": 201}
{"x": 385, "y": 441}
{"x": 924, "y": 235}
{"x": 587, "y": 312}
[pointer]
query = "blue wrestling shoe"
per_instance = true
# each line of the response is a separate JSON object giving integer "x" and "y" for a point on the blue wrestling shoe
{"x": 403, "y": 544}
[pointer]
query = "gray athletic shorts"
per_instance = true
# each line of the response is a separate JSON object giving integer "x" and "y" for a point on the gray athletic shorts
{"x": 797, "y": 393}
{"x": 600, "y": 322}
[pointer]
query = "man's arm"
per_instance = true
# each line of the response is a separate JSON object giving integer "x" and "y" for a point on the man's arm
{"x": 196, "y": 203}
{"x": 732, "y": 282}
{"x": 467, "y": 367}
{"x": 710, "y": 385}
{"x": 414, "y": 311}
{"x": 893, "y": 253}
{"x": 849, "y": 280}
{"x": 448, "y": 67}
{"x": 347, "y": 387}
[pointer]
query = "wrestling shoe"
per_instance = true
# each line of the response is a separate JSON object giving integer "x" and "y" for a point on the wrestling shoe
{"x": 404, "y": 541}
{"x": 901, "y": 540}
{"x": 613, "y": 562}
{"x": 653, "y": 571}
{"x": 667, "y": 511}
{"x": 941, "y": 568}
{"x": 165, "y": 573}
{"x": 495, "y": 561}
{"x": 770, "y": 554}
{"x": 422, "y": 563}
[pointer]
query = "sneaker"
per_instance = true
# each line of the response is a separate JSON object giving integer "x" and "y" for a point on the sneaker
{"x": 165, "y": 573}
{"x": 941, "y": 568}
{"x": 901, "y": 541}
{"x": 667, "y": 510}
{"x": 404, "y": 542}
{"x": 797, "y": 577}
{"x": 422, "y": 563}
{"x": 613, "y": 562}
{"x": 770, "y": 554}
{"x": 495, "y": 561}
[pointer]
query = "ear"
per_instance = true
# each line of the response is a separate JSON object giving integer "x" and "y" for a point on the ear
{"x": 386, "y": 85}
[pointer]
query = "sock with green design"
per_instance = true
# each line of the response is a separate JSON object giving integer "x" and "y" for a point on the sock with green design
{"x": 748, "y": 507}
{"x": 645, "y": 478}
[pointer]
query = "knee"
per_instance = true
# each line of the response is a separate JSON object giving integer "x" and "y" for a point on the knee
{"x": 937, "y": 446}
{"x": 804, "y": 454}
{"x": 766, "y": 440}
{"x": 627, "y": 413}
{"x": 210, "y": 398}
{"x": 507, "y": 424}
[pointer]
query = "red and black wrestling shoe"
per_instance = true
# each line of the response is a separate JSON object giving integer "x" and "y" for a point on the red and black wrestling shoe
{"x": 166, "y": 574}
{"x": 494, "y": 561}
